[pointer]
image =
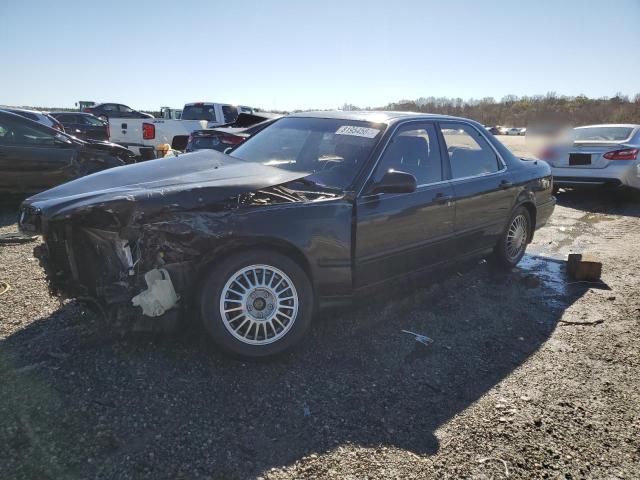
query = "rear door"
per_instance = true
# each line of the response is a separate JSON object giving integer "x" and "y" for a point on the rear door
{"x": 482, "y": 186}
{"x": 93, "y": 127}
{"x": 72, "y": 125}
{"x": 31, "y": 159}
{"x": 399, "y": 233}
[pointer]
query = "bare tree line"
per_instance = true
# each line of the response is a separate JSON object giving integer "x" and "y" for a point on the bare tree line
{"x": 522, "y": 111}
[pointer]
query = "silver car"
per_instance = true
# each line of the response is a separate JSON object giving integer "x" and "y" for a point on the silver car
{"x": 599, "y": 155}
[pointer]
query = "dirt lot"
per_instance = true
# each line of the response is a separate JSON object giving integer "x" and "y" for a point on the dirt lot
{"x": 529, "y": 376}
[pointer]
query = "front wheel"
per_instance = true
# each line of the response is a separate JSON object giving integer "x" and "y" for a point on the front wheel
{"x": 513, "y": 243}
{"x": 256, "y": 304}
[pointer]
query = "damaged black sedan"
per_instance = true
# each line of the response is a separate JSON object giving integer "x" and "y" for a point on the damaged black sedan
{"x": 314, "y": 209}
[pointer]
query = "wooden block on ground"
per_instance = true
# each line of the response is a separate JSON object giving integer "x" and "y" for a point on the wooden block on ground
{"x": 584, "y": 267}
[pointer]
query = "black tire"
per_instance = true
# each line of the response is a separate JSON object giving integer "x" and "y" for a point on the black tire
{"x": 210, "y": 309}
{"x": 504, "y": 249}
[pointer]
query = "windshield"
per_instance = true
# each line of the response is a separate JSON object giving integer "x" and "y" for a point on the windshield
{"x": 199, "y": 112}
{"x": 598, "y": 134}
{"x": 332, "y": 150}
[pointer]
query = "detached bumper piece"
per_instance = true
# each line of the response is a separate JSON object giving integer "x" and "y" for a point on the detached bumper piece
{"x": 160, "y": 295}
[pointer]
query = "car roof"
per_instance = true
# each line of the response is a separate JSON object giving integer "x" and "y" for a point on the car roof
{"x": 618, "y": 125}
{"x": 375, "y": 116}
{"x": 15, "y": 109}
{"x": 71, "y": 113}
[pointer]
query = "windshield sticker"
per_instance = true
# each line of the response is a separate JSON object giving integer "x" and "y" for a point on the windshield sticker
{"x": 357, "y": 131}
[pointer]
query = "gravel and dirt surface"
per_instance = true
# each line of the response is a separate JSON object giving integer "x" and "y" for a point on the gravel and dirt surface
{"x": 530, "y": 375}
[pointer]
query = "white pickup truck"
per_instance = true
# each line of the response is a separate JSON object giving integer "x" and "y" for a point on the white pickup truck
{"x": 143, "y": 135}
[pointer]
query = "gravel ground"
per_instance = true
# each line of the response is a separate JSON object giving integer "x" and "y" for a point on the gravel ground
{"x": 529, "y": 376}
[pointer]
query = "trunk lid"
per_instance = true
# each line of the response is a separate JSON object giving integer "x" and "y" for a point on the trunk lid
{"x": 585, "y": 154}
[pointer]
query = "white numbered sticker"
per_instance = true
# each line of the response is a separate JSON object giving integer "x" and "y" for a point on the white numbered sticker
{"x": 357, "y": 131}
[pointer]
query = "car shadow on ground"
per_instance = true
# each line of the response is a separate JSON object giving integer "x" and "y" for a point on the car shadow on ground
{"x": 9, "y": 208}
{"x": 82, "y": 400}
{"x": 601, "y": 201}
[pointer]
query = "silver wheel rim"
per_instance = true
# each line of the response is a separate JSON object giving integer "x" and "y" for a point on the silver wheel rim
{"x": 259, "y": 304}
{"x": 517, "y": 236}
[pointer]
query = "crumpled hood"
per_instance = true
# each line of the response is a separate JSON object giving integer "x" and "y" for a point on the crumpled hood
{"x": 187, "y": 181}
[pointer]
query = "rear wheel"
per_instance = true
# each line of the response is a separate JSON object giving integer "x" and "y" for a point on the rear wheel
{"x": 513, "y": 243}
{"x": 256, "y": 304}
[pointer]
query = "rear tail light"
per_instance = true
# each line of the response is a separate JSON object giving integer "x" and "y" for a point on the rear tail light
{"x": 87, "y": 110}
{"x": 231, "y": 139}
{"x": 148, "y": 131}
{"x": 547, "y": 154}
{"x": 624, "y": 154}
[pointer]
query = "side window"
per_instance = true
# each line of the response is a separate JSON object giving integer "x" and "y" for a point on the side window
{"x": 5, "y": 133}
{"x": 469, "y": 153}
{"x": 110, "y": 107}
{"x": 413, "y": 149}
{"x": 14, "y": 133}
{"x": 125, "y": 109}
{"x": 230, "y": 113}
{"x": 94, "y": 122}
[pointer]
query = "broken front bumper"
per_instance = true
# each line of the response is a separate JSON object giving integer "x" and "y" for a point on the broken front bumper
{"x": 97, "y": 263}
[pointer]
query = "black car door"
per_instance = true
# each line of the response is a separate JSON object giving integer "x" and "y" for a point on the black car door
{"x": 399, "y": 233}
{"x": 481, "y": 184}
{"x": 94, "y": 128}
{"x": 73, "y": 125}
{"x": 32, "y": 158}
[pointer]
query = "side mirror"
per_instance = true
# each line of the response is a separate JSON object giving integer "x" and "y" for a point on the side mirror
{"x": 62, "y": 141}
{"x": 395, "y": 181}
{"x": 227, "y": 150}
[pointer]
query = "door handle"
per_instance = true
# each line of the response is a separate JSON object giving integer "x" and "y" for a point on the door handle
{"x": 441, "y": 198}
{"x": 506, "y": 184}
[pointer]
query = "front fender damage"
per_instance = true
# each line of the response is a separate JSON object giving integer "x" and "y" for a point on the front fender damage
{"x": 144, "y": 268}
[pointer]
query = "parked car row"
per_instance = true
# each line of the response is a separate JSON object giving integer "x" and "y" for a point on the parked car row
{"x": 498, "y": 130}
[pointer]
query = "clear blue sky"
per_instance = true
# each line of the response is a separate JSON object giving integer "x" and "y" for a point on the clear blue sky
{"x": 313, "y": 54}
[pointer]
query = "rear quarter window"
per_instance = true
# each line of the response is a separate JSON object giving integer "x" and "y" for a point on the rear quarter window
{"x": 230, "y": 113}
{"x": 602, "y": 134}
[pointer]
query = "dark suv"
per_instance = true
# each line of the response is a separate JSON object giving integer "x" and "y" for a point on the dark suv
{"x": 115, "y": 110}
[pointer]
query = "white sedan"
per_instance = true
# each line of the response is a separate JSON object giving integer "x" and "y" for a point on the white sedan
{"x": 597, "y": 155}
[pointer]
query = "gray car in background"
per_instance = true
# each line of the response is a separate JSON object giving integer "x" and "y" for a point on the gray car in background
{"x": 597, "y": 155}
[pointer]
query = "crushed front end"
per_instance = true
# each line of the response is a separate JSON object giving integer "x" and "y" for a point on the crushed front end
{"x": 141, "y": 261}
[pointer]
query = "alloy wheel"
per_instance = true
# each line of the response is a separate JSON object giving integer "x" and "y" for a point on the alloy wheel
{"x": 517, "y": 237}
{"x": 259, "y": 304}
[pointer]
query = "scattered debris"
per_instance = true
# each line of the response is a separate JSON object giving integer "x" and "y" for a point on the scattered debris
{"x": 4, "y": 288}
{"x": 567, "y": 322}
{"x": 306, "y": 411}
{"x": 504, "y": 462}
{"x": 584, "y": 267}
{"x": 16, "y": 237}
{"x": 420, "y": 338}
{"x": 159, "y": 297}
